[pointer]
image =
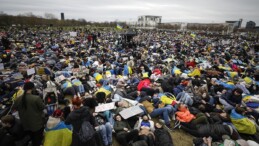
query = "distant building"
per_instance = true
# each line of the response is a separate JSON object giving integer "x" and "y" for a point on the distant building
{"x": 236, "y": 24}
{"x": 250, "y": 24}
{"x": 149, "y": 21}
{"x": 62, "y": 16}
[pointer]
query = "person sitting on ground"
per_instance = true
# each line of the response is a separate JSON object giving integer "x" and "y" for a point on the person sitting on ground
{"x": 13, "y": 130}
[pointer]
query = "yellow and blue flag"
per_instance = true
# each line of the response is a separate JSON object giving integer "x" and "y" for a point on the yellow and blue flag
{"x": 119, "y": 27}
{"x": 176, "y": 71}
{"x": 98, "y": 77}
{"x": 127, "y": 70}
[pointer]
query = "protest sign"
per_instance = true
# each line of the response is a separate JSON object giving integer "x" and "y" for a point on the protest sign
{"x": 30, "y": 71}
{"x": 17, "y": 76}
{"x": 60, "y": 78}
{"x": 1, "y": 66}
{"x": 130, "y": 112}
{"x": 41, "y": 71}
{"x": 73, "y": 34}
{"x": 104, "y": 107}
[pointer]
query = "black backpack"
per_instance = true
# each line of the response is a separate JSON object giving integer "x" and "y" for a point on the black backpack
{"x": 86, "y": 131}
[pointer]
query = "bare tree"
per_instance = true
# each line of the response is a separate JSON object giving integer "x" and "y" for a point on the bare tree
{"x": 50, "y": 16}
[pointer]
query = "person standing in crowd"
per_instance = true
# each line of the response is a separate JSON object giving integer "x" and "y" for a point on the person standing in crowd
{"x": 76, "y": 119}
{"x": 30, "y": 108}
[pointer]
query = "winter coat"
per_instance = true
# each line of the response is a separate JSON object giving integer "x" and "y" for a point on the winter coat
{"x": 163, "y": 138}
{"x": 184, "y": 115}
{"x": 216, "y": 131}
{"x": 76, "y": 118}
{"x": 16, "y": 130}
{"x": 32, "y": 118}
{"x": 231, "y": 98}
{"x": 143, "y": 83}
{"x": 178, "y": 89}
{"x": 119, "y": 127}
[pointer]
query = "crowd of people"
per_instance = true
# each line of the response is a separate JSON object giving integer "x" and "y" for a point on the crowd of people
{"x": 56, "y": 86}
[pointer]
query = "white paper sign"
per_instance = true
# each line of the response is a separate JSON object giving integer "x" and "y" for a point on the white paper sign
{"x": 130, "y": 112}
{"x": 1, "y": 66}
{"x": 30, "y": 71}
{"x": 60, "y": 78}
{"x": 104, "y": 107}
{"x": 73, "y": 34}
{"x": 17, "y": 76}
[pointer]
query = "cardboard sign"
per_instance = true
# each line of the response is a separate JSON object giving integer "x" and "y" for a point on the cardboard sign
{"x": 41, "y": 71}
{"x": 104, "y": 107}
{"x": 130, "y": 112}
{"x": 73, "y": 34}
{"x": 1, "y": 66}
{"x": 30, "y": 71}
{"x": 17, "y": 76}
{"x": 60, "y": 78}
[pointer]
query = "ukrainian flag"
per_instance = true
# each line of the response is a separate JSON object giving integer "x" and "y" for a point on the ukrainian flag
{"x": 119, "y": 27}
{"x": 193, "y": 35}
{"x": 195, "y": 72}
{"x": 246, "y": 98}
{"x": 60, "y": 135}
{"x": 108, "y": 74}
{"x": 242, "y": 124}
{"x": 98, "y": 77}
{"x": 176, "y": 71}
{"x": 232, "y": 74}
{"x": 127, "y": 70}
{"x": 228, "y": 85}
{"x": 225, "y": 68}
{"x": 248, "y": 80}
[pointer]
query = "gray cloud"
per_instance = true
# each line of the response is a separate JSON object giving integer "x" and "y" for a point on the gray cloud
{"x": 109, "y": 10}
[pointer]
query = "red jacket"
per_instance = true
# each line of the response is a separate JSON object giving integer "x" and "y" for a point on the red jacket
{"x": 191, "y": 63}
{"x": 143, "y": 83}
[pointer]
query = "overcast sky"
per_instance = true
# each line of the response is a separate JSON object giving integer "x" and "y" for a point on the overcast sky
{"x": 205, "y": 11}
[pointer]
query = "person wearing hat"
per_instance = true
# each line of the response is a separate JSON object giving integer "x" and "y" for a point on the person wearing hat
{"x": 76, "y": 119}
{"x": 30, "y": 108}
{"x": 57, "y": 133}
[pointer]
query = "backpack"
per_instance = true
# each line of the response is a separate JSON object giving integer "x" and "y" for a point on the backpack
{"x": 86, "y": 132}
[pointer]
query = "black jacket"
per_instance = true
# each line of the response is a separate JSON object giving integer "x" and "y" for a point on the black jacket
{"x": 216, "y": 131}
{"x": 17, "y": 130}
{"x": 163, "y": 138}
{"x": 76, "y": 118}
